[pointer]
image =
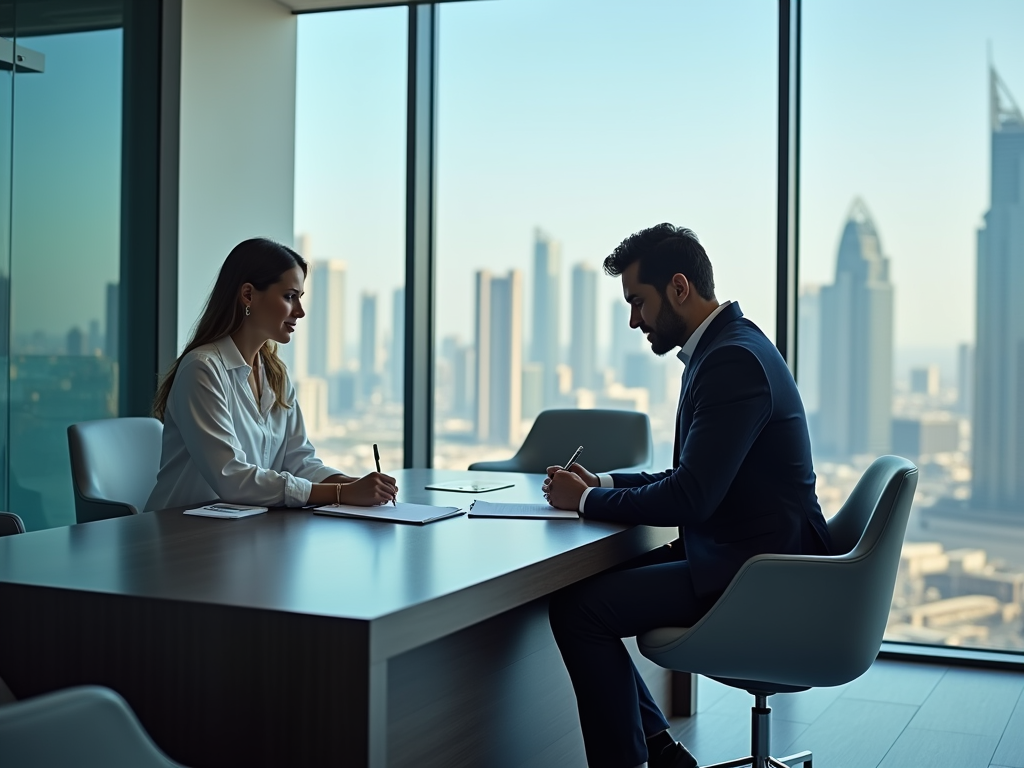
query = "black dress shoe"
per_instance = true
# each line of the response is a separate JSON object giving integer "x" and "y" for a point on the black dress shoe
{"x": 674, "y": 756}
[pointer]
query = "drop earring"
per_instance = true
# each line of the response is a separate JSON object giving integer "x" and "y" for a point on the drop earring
{"x": 247, "y": 310}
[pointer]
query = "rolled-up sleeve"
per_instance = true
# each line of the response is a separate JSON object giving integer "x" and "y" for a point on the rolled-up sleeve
{"x": 204, "y": 420}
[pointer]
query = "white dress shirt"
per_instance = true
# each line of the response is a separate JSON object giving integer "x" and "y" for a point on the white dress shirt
{"x": 218, "y": 444}
{"x": 684, "y": 355}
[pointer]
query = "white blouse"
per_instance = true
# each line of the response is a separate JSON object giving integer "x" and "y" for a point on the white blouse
{"x": 218, "y": 444}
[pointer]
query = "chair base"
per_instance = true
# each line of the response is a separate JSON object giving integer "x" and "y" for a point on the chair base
{"x": 760, "y": 742}
{"x": 799, "y": 758}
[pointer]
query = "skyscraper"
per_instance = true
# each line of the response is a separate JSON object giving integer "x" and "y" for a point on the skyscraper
{"x": 113, "y": 323}
{"x": 396, "y": 354}
{"x": 964, "y": 378}
{"x": 997, "y": 479}
{"x": 855, "y": 395}
{"x": 583, "y": 349}
{"x": 808, "y": 357}
{"x": 325, "y": 318}
{"x": 499, "y": 354}
{"x": 547, "y": 307}
{"x": 625, "y": 340}
{"x": 367, "y": 345}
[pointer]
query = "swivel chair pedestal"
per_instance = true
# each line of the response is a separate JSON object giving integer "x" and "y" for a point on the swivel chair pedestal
{"x": 760, "y": 741}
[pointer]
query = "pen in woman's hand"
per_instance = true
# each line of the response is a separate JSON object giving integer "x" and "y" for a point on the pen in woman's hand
{"x": 376, "y": 460}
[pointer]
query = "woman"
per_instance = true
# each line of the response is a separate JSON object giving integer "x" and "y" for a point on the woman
{"x": 232, "y": 426}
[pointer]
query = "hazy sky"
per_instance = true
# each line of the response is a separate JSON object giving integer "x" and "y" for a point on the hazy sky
{"x": 595, "y": 119}
{"x": 67, "y": 183}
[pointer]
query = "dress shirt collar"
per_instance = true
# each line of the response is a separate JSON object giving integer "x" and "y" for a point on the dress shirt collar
{"x": 691, "y": 343}
{"x": 230, "y": 355}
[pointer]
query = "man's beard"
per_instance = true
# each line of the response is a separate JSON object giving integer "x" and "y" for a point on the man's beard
{"x": 668, "y": 332}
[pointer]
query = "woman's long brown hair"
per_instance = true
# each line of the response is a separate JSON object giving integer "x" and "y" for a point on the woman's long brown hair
{"x": 258, "y": 261}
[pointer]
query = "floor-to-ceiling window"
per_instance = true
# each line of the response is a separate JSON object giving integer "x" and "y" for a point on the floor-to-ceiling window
{"x": 64, "y": 243}
{"x": 564, "y": 126}
{"x": 911, "y": 271}
{"x": 347, "y": 357}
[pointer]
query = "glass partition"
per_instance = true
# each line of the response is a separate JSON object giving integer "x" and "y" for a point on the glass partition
{"x": 911, "y": 330}
{"x": 65, "y": 252}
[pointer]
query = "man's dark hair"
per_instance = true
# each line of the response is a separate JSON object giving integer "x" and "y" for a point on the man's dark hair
{"x": 663, "y": 251}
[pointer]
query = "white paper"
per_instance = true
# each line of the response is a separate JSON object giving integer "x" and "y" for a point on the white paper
{"x": 468, "y": 486}
{"x": 535, "y": 511}
{"x": 393, "y": 513}
{"x": 228, "y": 511}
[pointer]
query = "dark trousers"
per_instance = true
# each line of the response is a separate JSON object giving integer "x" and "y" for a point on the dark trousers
{"x": 588, "y": 620}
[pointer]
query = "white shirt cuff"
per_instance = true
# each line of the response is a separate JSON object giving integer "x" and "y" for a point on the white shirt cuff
{"x": 296, "y": 491}
{"x": 583, "y": 498}
{"x": 606, "y": 482}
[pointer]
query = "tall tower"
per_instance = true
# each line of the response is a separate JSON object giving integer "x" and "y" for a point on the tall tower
{"x": 625, "y": 340}
{"x": 808, "y": 358}
{"x": 367, "y": 345}
{"x": 998, "y": 430}
{"x": 855, "y": 394}
{"x": 583, "y": 349}
{"x": 547, "y": 312}
{"x": 499, "y": 355}
{"x": 325, "y": 318}
{"x": 396, "y": 354}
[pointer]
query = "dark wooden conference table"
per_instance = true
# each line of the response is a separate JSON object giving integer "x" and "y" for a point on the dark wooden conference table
{"x": 294, "y": 639}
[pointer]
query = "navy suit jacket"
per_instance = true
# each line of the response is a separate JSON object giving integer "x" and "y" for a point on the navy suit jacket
{"x": 744, "y": 483}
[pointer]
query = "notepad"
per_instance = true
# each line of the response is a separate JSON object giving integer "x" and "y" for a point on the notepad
{"x": 469, "y": 486}
{"x": 534, "y": 511}
{"x": 418, "y": 514}
{"x": 228, "y": 511}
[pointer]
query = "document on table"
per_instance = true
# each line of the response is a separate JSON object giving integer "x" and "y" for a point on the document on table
{"x": 228, "y": 511}
{"x": 469, "y": 486}
{"x": 534, "y": 511}
{"x": 418, "y": 514}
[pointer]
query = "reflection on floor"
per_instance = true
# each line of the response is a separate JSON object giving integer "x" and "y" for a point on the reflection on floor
{"x": 897, "y": 715}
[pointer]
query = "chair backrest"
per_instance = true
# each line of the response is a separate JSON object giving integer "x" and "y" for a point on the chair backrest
{"x": 821, "y": 619}
{"x": 611, "y": 440}
{"x": 10, "y": 524}
{"x": 87, "y": 725}
{"x": 114, "y": 463}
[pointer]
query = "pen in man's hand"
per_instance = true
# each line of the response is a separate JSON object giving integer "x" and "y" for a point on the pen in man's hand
{"x": 573, "y": 460}
{"x": 376, "y": 460}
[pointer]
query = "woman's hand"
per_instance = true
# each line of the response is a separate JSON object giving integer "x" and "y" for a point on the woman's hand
{"x": 369, "y": 490}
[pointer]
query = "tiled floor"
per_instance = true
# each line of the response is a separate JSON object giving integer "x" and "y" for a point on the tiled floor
{"x": 897, "y": 715}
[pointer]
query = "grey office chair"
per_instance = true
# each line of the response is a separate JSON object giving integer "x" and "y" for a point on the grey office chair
{"x": 10, "y": 524}
{"x": 114, "y": 463}
{"x": 611, "y": 440}
{"x": 790, "y": 622}
{"x": 85, "y": 727}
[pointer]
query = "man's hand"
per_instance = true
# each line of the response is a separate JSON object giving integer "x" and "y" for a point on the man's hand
{"x": 579, "y": 470}
{"x": 563, "y": 490}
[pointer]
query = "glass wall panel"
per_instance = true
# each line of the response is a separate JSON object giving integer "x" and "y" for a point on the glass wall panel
{"x": 563, "y": 127}
{"x": 65, "y": 261}
{"x": 7, "y": 64}
{"x": 911, "y": 337}
{"x": 347, "y": 357}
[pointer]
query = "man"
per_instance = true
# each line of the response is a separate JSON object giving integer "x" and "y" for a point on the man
{"x": 742, "y": 484}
